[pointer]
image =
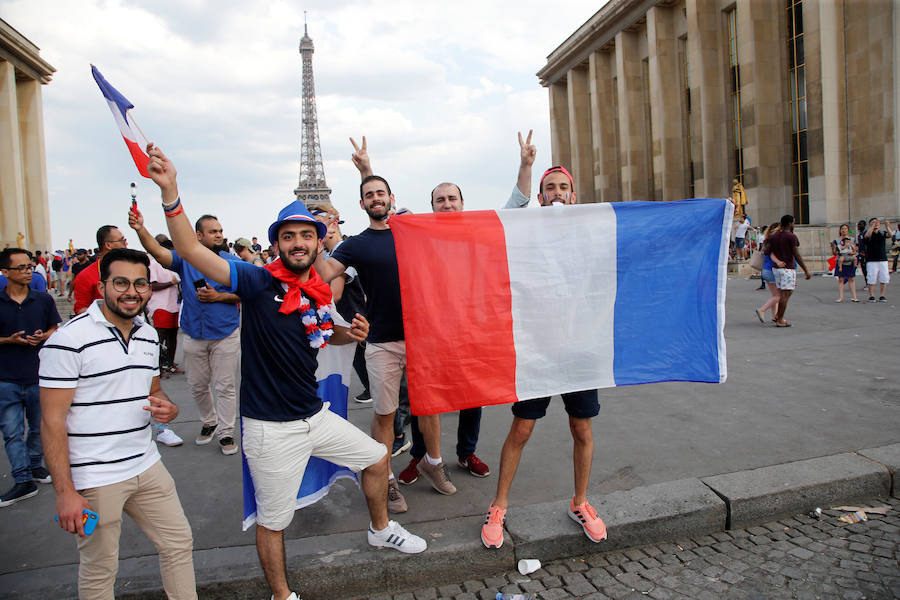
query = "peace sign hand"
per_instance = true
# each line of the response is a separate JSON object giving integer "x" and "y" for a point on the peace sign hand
{"x": 361, "y": 158}
{"x": 528, "y": 151}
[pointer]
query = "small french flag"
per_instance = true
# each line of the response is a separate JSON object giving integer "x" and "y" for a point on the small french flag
{"x": 134, "y": 137}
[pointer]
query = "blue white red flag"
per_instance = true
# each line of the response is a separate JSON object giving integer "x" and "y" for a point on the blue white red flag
{"x": 131, "y": 133}
{"x": 333, "y": 376}
{"x": 533, "y": 303}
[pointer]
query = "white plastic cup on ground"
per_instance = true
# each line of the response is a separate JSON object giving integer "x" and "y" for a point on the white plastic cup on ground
{"x": 529, "y": 565}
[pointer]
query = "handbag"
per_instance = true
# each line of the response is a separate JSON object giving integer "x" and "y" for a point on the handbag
{"x": 756, "y": 260}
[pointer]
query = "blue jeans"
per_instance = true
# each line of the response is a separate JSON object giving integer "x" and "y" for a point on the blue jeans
{"x": 19, "y": 403}
{"x": 466, "y": 434}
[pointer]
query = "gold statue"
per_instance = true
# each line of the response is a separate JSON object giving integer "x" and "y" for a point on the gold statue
{"x": 20, "y": 238}
{"x": 739, "y": 197}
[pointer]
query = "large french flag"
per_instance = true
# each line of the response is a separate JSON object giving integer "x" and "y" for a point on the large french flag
{"x": 333, "y": 376}
{"x": 131, "y": 133}
{"x": 508, "y": 305}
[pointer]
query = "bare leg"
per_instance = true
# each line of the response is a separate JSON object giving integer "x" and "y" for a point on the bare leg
{"x": 582, "y": 455}
{"x": 519, "y": 432}
{"x": 270, "y": 547}
{"x": 840, "y": 290}
{"x": 374, "y": 486}
{"x": 782, "y": 306}
{"x": 383, "y": 431}
{"x": 430, "y": 426}
{"x": 772, "y": 303}
{"x": 883, "y": 288}
{"x": 852, "y": 285}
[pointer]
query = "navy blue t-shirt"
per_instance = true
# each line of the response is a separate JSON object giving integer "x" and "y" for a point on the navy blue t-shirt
{"x": 278, "y": 366}
{"x": 374, "y": 257}
{"x": 19, "y": 364}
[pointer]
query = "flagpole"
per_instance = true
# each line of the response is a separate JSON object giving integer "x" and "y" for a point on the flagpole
{"x": 141, "y": 131}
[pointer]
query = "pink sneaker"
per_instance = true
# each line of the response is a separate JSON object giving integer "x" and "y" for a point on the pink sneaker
{"x": 586, "y": 516}
{"x": 492, "y": 530}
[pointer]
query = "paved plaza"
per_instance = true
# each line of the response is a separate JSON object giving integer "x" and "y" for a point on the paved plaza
{"x": 825, "y": 386}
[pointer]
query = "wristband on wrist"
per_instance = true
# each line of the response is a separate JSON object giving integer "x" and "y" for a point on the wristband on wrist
{"x": 171, "y": 206}
{"x": 175, "y": 213}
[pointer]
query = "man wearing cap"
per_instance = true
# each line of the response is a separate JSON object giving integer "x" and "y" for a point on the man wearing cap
{"x": 373, "y": 255}
{"x": 244, "y": 249}
{"x": 210, "y": 322}
{"x": 556, "y": 188}
{"x": 288, "y": 314}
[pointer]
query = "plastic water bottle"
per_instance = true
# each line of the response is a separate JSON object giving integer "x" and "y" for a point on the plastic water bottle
{"x": 515, "y": 597}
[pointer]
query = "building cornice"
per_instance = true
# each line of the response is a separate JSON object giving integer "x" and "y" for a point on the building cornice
{"x": 595, "y": 33}
{"x": 25, "y": 56}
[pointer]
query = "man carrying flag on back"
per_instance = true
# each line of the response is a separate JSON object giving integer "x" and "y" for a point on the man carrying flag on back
{"x": 556, "y": 187}
{"x": 288, "y": 314}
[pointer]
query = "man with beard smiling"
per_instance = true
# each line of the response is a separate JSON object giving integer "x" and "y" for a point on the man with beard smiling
{"x": 99, "y": 385}
{"x": 288, "y": 317}
{"x": 209, "y": 320}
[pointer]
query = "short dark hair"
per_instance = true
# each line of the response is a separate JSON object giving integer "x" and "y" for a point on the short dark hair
{"x": 123, "y": 254}
{"x": 458, "y": 189}
{"x": 373, "y": 178}
{"x": 199, "y": 224}
{"x": 787, "y": 220}
{"x": 6, "y": 256}
{"x": 872, "y": 219}
{"x": 103, "y": 233}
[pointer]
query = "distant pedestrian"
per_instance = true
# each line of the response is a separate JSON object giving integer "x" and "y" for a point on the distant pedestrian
{"x": 27, "y": 319}
{"x": 784, "y": 251}
{"x": 861, "y": 248}
{"x": 768, "y": 278}
{"x": 876, "y": 257}
{"x": 845, "y": 252}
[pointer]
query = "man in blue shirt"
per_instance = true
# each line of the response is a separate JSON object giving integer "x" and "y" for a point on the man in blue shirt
{"x": 209, "y": 320}
{"x": 38, "y": 283}
{"x": 288, "y": 312}
{"x": 27, "y": 318}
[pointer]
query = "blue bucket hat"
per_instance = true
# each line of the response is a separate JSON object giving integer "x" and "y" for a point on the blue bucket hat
{"x": 295, "y": 211}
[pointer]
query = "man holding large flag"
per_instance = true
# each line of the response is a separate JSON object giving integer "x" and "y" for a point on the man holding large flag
{"x": 287, "y": 318}
{"x": 556, "y": 187}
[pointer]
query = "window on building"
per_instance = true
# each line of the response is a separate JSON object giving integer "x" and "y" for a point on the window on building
{"x": 734, "y": 67}
{"x": 687, "y": 118}
{"x": 797, "y": 107}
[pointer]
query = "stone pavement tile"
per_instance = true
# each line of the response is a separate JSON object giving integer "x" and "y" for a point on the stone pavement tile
{"x": 597, "y": 560}
{"x": 511, "y": 588}
{"x": 551, "y": 581}
{"x": 801, "y": 553}
{"x": 580, "y": 589}
{"x": 487, "y": 594}
{"x": 465, "y": 596}
{"x": 404, "y": 597}
{"x": 573, "y": 578}
{"x": 635, "y": 554}
{"x": 426, "y": 594}
{"x": 613, "y": 570}
{"x": 555, "y": 594}
{"x": 495, "y": 581}
{"x": 635, "y": 582}
{"x": 616, "y": 590}
{"x": 532, "y": 587}
{"x": 449, "y": 590}
{"x": 596, "y": 596}
{"x": 557, "y": 569}
{"x": 631, "y": 566}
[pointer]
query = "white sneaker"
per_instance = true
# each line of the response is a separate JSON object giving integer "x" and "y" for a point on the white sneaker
{"x": 167, "y": 437}
{"x": 293, "y": 596}
{"x": 394, "y": 536}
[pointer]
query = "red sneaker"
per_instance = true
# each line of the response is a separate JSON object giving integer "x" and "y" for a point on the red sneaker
{"x": 410, "y": 474}
{"x": 474, "y": 466}
{"x": 586, "y": 516}
{"x": 492, "y": 530}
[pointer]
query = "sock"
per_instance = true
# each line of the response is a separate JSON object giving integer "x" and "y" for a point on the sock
{"x": 372, "y": 527}
{"x": 432, "y": 461}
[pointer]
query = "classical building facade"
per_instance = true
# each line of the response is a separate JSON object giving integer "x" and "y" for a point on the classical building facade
{"x": 672, "y": 99}
{"x": 24, "y": 209}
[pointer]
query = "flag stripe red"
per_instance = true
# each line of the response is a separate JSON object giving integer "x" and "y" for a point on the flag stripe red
{"x": 141, "y": 160}
{"x": 449, "y": 368}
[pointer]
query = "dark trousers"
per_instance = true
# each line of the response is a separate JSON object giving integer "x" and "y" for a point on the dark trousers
{"x": 359, "y": 365}
{"x": 466, "y": 433}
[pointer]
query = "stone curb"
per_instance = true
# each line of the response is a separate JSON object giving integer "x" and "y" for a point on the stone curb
{"x": 644, "y": 515}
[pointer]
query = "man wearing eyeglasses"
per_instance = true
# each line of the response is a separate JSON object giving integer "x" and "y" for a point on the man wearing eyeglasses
{"x": 38, "y": 283}
{"x": 85, "y": 285}
{"x": 27, "y": 318}
{"x": 99, "y": 379}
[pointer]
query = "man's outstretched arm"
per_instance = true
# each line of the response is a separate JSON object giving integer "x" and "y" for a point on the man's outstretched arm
{"x": 162, "y": 255}
{"x": 361, "y": 159}
{"x": 521, "y": 193}
{"x": 163, "y": 174}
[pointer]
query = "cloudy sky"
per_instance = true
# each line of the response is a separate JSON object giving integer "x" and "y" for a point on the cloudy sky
{"x": 439, "y": 89}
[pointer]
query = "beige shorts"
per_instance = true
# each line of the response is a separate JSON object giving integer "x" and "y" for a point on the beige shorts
{"x": 277, "y": 453}
{"x": 385, "y": 363}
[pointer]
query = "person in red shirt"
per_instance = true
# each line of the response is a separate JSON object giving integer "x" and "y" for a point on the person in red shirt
{"x": 85, "y": 284}
{"x": 783, "y": 249}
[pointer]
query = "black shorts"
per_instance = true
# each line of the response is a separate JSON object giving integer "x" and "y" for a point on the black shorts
{"x": 581, "y": 405}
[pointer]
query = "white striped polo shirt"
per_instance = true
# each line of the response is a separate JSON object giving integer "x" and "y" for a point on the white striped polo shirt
{"x": 108, "y": 429}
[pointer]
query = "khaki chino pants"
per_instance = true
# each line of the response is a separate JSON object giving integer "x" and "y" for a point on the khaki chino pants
{"x": 212, "y": 366}
{"x": 151, "y": 500}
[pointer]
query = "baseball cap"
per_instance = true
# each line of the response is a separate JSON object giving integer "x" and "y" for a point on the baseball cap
{"x": 295, "y": 211}
{"x": 81, "y": 251}
{"x": 244, "y": 242}
{"x": 316, "y": 213}
{"x": 556, "y": 169}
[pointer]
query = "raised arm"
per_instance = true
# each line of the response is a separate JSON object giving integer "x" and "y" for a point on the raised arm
{"x": 328, "y": 268}
{"x": 527, "y": 152}
{"x": 360, "y": 158}
{"x": 136, "y": 222}
{"x": 163, "y": 173}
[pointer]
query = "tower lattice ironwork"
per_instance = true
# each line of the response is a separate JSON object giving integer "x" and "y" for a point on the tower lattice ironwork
{"x": 312, "y": 188}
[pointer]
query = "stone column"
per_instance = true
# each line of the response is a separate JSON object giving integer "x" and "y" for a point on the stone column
{"x": 767, "y": 159}
{"x": 12, "y": 180}
{"x": 560, "y": 149}
{"x": 665, "y": 86}
{"x": 31, "y": 134}
{"x": 603, "y": 125}
{"x": 582, "y": 153}
{"x": 707, "y": 69}
{"x": 632, "y": 125}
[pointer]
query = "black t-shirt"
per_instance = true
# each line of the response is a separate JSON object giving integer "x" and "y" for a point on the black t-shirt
{"x": 875, "y": 247}
{"x": 278, "y": 366}
{"x": 78, "y": 267}
{"x": 373, "y": 255}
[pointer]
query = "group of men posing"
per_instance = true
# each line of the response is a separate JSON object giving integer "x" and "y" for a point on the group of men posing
{"x": 99, "y": 379}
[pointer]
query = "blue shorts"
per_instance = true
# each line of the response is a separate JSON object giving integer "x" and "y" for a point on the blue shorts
{"x": 768, "y": 276}
{"x": 581, "y": 405}
{"x": 738, "y": 243}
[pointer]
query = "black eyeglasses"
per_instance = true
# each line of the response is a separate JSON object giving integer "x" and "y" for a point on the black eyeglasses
{"x": 21, "y": 268}
{"x": 121, "y": 284}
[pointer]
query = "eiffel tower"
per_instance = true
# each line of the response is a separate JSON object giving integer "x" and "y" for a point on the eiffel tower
{"x": 312, "y": 188}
